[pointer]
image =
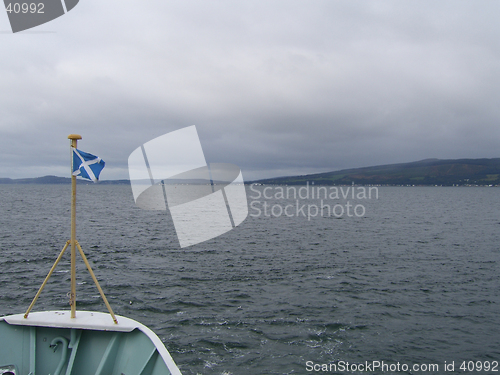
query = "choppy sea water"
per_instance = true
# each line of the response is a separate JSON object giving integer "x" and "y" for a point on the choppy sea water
{"x": 415, "y": 280}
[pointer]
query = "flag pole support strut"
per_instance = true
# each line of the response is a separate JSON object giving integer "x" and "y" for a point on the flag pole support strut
{"x": 96, "y": 282}
{"x": 74, "y": 244}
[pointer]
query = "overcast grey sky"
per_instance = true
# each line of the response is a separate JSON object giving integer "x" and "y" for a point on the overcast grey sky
{"x": 276, "y": 87}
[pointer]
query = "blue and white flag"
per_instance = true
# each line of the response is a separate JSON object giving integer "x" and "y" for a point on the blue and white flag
{"x": 86, "y": 165}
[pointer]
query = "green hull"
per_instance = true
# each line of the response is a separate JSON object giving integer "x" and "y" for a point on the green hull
{"x": 51, "y": 343}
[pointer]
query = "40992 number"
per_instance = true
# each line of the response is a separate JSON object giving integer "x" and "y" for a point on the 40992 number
{"x": 25, "y": 8}
{"x": 472, "y": 366}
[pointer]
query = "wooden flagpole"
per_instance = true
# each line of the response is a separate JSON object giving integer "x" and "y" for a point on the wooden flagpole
{"x": 74, "y": 244}
{"x": 72, "y": 297}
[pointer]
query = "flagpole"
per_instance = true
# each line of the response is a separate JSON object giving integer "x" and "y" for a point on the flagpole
{"x": 91, "y": 175}
{"x": 72, "y": 299}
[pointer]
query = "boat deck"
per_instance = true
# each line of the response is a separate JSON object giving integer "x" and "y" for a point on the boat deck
{"x": 53, "y": 343}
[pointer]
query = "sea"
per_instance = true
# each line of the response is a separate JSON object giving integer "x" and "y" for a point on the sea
{"x": 396, "y": 280}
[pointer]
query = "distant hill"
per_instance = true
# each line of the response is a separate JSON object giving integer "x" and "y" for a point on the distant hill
{"x": 424, "y": 172}
{"x": 67, "y": 180}
{"x": 56, "y": 180}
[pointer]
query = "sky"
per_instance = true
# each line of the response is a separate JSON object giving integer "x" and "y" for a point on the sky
{"x": 277, "y": 87}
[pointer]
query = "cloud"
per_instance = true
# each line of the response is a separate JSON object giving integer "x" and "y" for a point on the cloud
{"x": 277, "y": 87}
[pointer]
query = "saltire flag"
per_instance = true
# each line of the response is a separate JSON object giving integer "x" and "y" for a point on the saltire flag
{"x": 86, "y": 165}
